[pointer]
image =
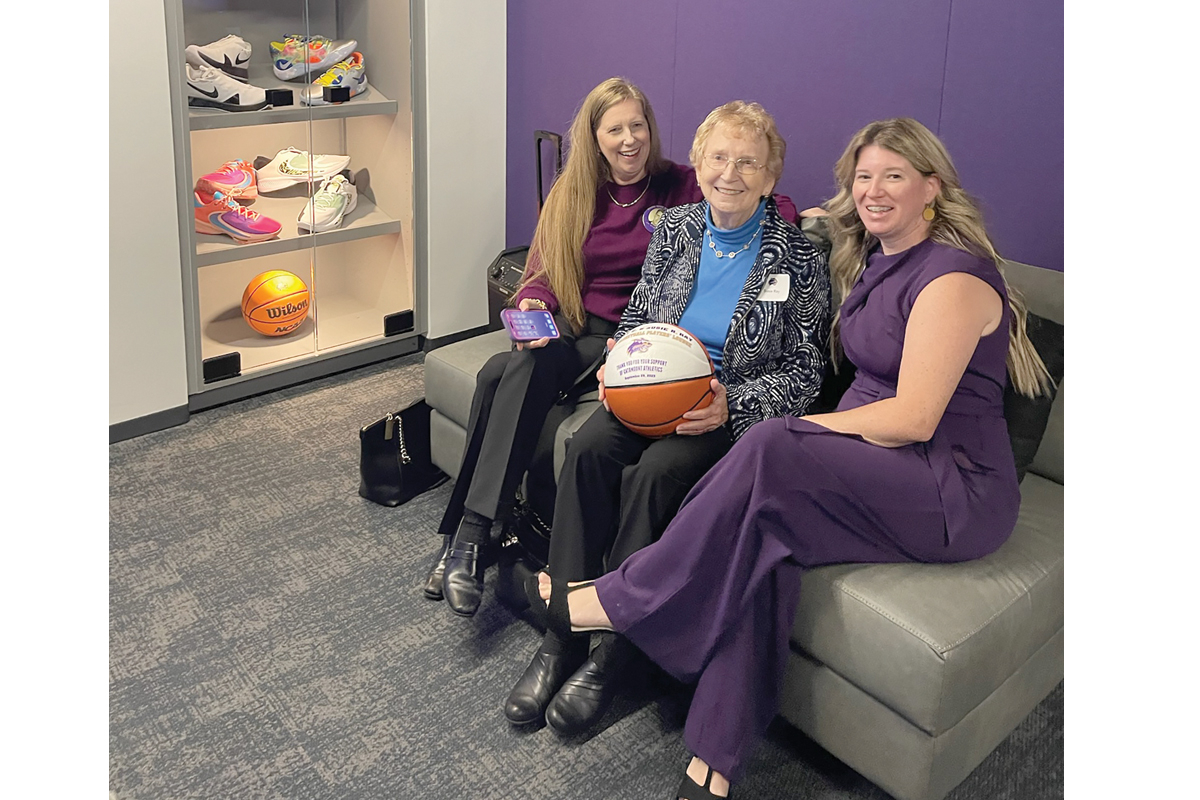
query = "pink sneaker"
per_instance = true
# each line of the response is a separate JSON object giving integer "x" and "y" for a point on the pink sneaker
{"x": 233, "y": 179}
{"x": 222, "y": 215}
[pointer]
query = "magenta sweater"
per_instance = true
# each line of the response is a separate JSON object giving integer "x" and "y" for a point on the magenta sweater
{"x": 615, "y": 247}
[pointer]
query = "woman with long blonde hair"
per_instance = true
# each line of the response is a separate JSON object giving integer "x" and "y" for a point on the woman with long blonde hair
{"x": 914, "y": 465}
{"x": 585, "y": 259}
{"x": 954, "y": 220}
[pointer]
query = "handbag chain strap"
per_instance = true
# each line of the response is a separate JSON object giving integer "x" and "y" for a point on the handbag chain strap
{"x": 526, "y": 508}
{"x": 395, "y": 419}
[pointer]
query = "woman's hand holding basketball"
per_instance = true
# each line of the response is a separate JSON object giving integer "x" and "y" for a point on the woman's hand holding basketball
{"x": 600, "y": 373}
{"x": 709, "y": 418}
{"x": 525, "y": 305}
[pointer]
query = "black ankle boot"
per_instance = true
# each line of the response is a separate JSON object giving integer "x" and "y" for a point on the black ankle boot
{"x": 526, "y": 703}
{"x": 587, "y": 694}
{"x": 433, "y": 581}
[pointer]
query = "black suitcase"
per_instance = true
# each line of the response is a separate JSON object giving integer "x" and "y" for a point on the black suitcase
{"x": 504, "y": 274}
{"x": 503, "y": 278}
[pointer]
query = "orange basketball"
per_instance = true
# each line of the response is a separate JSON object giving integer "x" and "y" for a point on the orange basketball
{"x": 654, "y": 375}
{"x": 275, "y": 302}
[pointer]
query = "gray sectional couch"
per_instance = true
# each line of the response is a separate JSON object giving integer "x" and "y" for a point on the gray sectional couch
{"x": 909, "y": 673}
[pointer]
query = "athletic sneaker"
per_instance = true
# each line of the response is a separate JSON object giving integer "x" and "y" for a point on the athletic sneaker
{"x": 350, "y": 73}
{"x": 291, "y": 166}
{"x": 336, "y": 198}
{"x": 222, "y": 215}
{"x": 233, "y": 179}
{"x": 212, "y": 88}
{"x": 278, "y": 47}
{"x": 231, "y": 55}
{"x": 297, "y": 58}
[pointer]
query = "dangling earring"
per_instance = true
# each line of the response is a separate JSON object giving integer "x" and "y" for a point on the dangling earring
{"x": 928, "y": 214}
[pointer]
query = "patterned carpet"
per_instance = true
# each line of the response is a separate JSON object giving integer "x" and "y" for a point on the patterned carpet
{"x": 268, "y": 638}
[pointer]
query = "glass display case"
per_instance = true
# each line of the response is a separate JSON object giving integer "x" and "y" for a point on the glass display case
{"x": 295, "y": 173}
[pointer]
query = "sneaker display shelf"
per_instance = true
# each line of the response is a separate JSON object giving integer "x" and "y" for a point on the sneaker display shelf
{"x": 358, "y": 264}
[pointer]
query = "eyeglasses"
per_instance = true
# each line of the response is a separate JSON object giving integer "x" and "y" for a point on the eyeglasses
{"x": 744, "y": 166}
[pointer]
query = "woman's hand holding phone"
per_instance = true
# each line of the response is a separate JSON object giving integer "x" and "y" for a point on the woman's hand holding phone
{"x": 527, "y": 305}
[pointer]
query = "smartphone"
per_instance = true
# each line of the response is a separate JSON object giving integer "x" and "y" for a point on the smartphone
{"x": 528, "y": 326}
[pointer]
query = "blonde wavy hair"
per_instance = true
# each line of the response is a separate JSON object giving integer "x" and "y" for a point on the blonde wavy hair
{"x": 566, "y": 217}
{"x": 742, "y": 118}
{"x": 957, "y": 222}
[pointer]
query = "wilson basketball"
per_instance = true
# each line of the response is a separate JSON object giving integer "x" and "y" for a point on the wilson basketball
{"x": 275, "y": 303}
{"x": 654, "y": 375}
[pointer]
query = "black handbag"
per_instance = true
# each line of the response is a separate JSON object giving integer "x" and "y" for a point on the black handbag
{"x": 524, "y": 551}
{"x": 397, "y": 463}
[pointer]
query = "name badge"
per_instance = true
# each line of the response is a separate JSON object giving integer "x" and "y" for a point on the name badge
{"x": 775, "y": 290}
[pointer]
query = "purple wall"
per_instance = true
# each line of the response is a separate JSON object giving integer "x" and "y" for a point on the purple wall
{"x": 987, "y": 77}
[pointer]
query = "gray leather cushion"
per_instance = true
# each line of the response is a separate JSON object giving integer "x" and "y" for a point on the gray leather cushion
{"x": 932, "y": 641}
{"x": 450, "y": 373}
{"x": 446, "y": 442}
{"x": 586, "y": 406}
{"x": 1042, "y": 289}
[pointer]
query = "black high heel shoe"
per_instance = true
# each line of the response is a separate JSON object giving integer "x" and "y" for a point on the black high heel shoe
{"x": 690, "y": 790}
{"x": 556, "y": 614}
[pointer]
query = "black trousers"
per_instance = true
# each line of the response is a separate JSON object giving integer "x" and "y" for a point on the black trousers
{"x": 618, "y": 490}
{"x": 515, "y": 393}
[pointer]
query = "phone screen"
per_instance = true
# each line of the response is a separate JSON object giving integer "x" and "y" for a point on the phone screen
{"x": 527, "y": 326}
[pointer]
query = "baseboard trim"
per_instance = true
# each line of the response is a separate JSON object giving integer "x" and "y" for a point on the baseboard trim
{"x": 158, "y": 421}
{"x": 302, "y": 374}
{"x": 433, "y": 344}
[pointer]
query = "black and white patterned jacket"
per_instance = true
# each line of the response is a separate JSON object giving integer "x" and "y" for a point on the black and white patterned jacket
{"x": 774, "y": 355}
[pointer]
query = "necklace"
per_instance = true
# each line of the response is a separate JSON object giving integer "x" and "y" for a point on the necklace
{"x": 744, "y": 247}
{"x": 635, "y": 202}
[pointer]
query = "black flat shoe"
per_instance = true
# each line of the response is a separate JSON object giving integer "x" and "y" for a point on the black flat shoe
{"x": 462, "y": 582}
{"x": 556, "y": 614}
{"x": 433, "y": 581}
{"x": 690, "y": 790}
{"x": 583, "y": 699}
{"x": 526, "y": 703}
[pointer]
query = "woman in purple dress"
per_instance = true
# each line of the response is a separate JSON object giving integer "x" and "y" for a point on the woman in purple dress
{"x": 914, "y": 465}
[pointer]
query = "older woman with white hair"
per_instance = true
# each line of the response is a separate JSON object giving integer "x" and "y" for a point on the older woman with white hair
{"x": 750, "y": 286}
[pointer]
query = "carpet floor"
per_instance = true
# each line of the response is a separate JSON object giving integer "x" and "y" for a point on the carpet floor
{"x": 268, "y": 638}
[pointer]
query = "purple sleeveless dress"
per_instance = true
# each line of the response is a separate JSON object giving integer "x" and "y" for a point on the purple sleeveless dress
{"x": 714, "y": 599}
{"x": 970, "y": 456}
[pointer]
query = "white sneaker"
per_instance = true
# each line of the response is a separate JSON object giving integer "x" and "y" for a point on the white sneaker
{"x": 297, "y": 58}
{"x": 214, "y": 89}
{"x": 350, "y": 73}
{"x": 324, "y": 211}
{"x": 291, "y": 166}
{"x": 231, "y": 55}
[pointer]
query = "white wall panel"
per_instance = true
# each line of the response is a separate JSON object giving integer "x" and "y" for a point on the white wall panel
{"x": 460, "y": 161}
{"x": 147, "y": 371}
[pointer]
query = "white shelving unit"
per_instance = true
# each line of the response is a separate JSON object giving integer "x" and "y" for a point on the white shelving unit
{"x": 361, "y": 275}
